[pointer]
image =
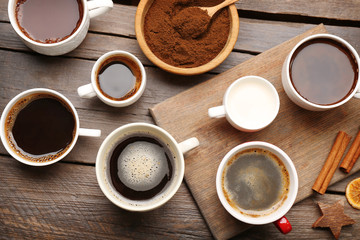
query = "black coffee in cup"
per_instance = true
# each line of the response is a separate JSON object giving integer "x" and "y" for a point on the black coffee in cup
{"x": 49, "y": 21}
{"x": 323, "y": 71}
{"x": 255, "y": 182}
{"x": 118, "y": 78}
{"x": 140, "y": 167}
{"x": 40, "y": 127}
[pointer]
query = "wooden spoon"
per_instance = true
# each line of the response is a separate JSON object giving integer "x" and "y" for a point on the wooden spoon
{"x": 212, "y": 10}
{"x": 192, "y": 22}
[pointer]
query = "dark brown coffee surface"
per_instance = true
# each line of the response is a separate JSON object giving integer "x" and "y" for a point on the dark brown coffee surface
{"x": 323, "y": 71}
{"x": 49, "y": 21}
{"x": 255, "y": 180}
{"x": 119, "y": 78}
{"x": 40, "y": 127}
{"x": 140, "y": 167}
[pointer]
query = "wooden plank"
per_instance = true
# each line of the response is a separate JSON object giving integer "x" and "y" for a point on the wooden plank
{"x": 64, "y": 201}
{"x": 302, "y": 216}
{"x": 306, "y": 136}
{"x": 96, "y": 45}
{"x": 254, "y": 35}
{"x": 260, "y": 35}
{"x": 341, "y": 186}
{"x": 333, "y": 9}
{"x": 21, "y": 71}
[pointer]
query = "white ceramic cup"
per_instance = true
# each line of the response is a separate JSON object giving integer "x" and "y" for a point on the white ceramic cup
{"x": 250, "y": 104}
{"x": 78, "y": 130}
{"x": 91, "y": 9}
{"x": 92, "y": 89}
{"x": 177, "y": 150}
{"x": 296, "y": 97}
{"x": 286, "y": 205}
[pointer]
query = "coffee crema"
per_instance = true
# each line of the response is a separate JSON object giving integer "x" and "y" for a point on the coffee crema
{"x": 255, "y": 182}
{"x": 49, "y": 21}
{"x": 40, "y": 127}
{"x": 140, "y": 167}
{"x": 323, "y": 71}
{"x": 118, "y": 78}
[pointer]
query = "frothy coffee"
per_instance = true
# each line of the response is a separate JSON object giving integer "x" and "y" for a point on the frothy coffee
{"x": 255, "y": 182}
{"x": 140, "y": 167}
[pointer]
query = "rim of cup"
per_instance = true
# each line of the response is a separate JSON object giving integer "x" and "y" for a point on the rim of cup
{"x": 293, "y": 187}
{"x": 118, "y": 103}
{"x": 23, "y": 94}
{"x": 245, "y": 78}
{"x": 337, "y": 39}
{"x": 16, "y": 27}
{"x": 102, "y": 160}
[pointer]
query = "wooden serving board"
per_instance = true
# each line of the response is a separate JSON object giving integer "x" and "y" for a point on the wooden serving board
{"x": 304, "y": 135}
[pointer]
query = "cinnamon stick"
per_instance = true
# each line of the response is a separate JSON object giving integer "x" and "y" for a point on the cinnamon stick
{"x": 334, "y": 166}
{"x": 353, "y": 161}
{"x": 329, "y": 161}
{"x": 349, "y": 157}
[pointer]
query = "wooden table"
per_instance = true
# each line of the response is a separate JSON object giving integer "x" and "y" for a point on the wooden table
{"x": 63, "y": 201}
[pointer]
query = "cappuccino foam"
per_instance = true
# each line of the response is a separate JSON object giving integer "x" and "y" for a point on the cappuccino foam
{"x": 142, "y": 165}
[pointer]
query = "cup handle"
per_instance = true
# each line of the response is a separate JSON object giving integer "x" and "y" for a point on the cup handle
{"x": 89, "y": 132}
{"x": 99, "y": 7}
{"x": 217, "y": 112}
{"x": 188, "y": 144}
{"x": 283, "y": 225}
{"x": 357, "y": 94}
{"x": 86, "y": 91}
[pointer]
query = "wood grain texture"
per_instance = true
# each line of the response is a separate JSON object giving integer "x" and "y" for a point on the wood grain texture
{"x": 332, "y": 9}
{"x": 64, "y": 201}
{"x": 96, "y": 45}
{"x": 66, "y": 75}
{"x": 254, "y": 35}
{"x": 305, "y": 136}
{"x": 340, "y": 186}
{"x": 302, "y": 216}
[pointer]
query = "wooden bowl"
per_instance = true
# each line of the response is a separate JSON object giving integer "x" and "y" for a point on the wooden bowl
{"x": 141, "y": 11}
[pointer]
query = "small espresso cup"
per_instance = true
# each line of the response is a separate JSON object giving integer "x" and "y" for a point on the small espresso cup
{"x": 321, "y": 72}
{"x": 23, "y": 101}
{"x": 250, "y": 104}
{"x": 129, "y": 75}
{"x": 88, "y": 9}
{"x": 140, "y": 166}
{"x": 257, "y": 184}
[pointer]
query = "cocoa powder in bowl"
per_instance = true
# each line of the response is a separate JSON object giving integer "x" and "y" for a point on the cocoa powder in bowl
{"x": 186, "y": 50}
